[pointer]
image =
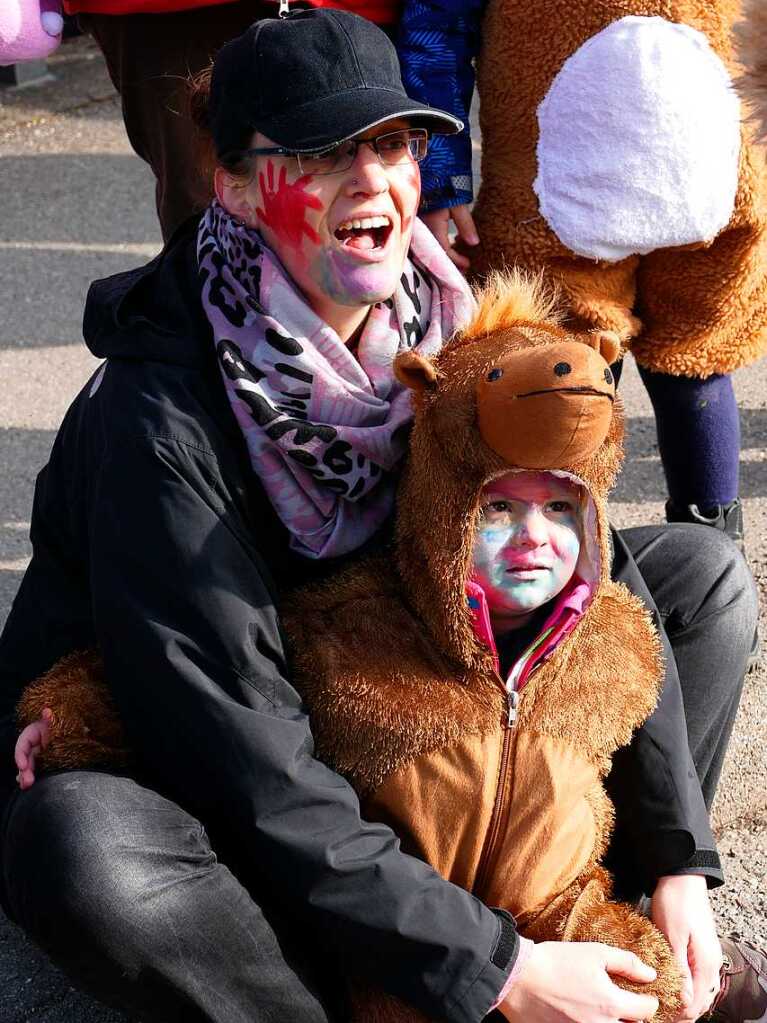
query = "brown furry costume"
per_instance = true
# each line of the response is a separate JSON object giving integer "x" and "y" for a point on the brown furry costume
{"x": 751, "y": 48}
{"x": 688, "y": 311}
{"x": 404, "y": 698}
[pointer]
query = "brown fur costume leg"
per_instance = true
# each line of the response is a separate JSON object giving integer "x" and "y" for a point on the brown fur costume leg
{"x": 704, "y": 310}
{"x": 85, "y": 731}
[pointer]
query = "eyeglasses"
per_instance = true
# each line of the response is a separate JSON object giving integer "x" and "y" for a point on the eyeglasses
{"x": 393, "y": 149}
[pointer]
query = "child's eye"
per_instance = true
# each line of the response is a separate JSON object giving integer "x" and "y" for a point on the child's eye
{"x": 498, "y": 506}
{"x": 560, "y": 506}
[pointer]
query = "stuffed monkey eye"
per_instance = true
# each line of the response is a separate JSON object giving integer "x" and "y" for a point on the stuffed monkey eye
{"x": 495, "y": 374}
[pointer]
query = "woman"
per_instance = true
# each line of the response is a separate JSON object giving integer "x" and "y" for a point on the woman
{"x": 199, "y": 470}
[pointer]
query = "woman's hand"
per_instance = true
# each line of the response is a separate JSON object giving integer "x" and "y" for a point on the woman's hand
{"x": 682, "y": 911}
{"x": 571, "y": 982}
{"x": 438, "y": 222}
{"x": 29, "y": 744}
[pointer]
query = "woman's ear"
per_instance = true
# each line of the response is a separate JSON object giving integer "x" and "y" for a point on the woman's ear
{"x": 415, "y": 372}
{"x": 232, "y": 196}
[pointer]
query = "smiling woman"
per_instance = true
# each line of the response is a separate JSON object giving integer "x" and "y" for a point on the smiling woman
{"x": 245, "y": 430}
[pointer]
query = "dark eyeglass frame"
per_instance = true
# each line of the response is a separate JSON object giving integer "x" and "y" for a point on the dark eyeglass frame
{"x": 418, "y": 136}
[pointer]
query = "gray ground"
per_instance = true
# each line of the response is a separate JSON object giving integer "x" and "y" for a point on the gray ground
{"x": 78, "y": 205}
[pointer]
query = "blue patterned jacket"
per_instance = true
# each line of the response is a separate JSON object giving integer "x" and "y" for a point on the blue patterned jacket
{"x": 438, "y": 42}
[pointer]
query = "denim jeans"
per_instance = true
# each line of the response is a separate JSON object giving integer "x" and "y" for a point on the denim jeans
{"x": 122, "y": 888}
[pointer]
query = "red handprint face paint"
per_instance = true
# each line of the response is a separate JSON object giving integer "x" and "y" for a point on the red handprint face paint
{"x": 285, "y": 205}
{"x": 342, "y": 237}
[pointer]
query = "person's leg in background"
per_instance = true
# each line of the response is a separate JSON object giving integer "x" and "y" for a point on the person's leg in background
{"x": 120, "y": 887}
{"x": 150, "y": 58}
{"x": 698, "y": 426}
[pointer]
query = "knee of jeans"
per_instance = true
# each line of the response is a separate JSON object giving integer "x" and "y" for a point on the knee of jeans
{"x": 730, "y": 587}
{"x": 102, "y": 851}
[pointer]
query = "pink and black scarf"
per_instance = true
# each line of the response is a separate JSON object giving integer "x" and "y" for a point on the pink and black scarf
{"x": 324, "y": 428}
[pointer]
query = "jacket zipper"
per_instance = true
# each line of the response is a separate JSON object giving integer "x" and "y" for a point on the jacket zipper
{"x": 498, "y": 816}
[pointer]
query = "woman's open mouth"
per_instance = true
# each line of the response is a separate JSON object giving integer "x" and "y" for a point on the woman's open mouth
{"x": 367, "y": 235}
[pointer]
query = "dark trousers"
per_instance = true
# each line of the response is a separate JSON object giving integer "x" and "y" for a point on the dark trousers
{"x": 150, "y": 58}
{"x": 121, "y": 888}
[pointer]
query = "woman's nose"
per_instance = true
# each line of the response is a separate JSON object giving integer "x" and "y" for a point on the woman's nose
{"x": 367, "y": 175}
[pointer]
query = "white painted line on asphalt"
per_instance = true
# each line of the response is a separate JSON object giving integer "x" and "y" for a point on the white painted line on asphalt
{"x": 21, "y": 527}
{"x": 131, "y": 248}
{"x": 20, "y": 565}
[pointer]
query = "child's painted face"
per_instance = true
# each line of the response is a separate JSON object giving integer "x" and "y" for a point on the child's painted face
{"x": 527, "y": 543}
{"x": 307, "y": 220}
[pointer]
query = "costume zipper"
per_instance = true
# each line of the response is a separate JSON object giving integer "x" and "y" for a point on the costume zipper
{"x": 284, "y": 8}
{"x": 498, "y": 816}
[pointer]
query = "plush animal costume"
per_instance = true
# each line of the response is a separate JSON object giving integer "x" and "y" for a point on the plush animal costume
{"x": 613, "y": 156}
{"x": 751, "y": 47}
{"x": 498, "y": 784}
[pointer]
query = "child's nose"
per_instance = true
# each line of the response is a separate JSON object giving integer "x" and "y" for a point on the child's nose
{"x": 531, "y": 529}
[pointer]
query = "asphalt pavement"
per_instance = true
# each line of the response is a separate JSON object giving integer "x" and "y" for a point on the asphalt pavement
{"x": 78, "y": 204}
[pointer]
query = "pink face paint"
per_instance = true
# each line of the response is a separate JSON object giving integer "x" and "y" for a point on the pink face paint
{"x": 348, "y": 281}
{"x": 527, "y": 542}
{"x": 285, "y": 206}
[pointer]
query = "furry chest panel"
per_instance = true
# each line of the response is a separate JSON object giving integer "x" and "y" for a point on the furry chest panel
{"x": 547, "y": 812}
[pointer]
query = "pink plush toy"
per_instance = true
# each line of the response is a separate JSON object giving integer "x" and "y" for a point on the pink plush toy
{"x": 29, "y": 29}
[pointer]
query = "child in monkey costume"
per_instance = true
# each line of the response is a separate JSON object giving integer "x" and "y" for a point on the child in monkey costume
{"x": 613, "y": 157}
{"x": 474, "y": 683}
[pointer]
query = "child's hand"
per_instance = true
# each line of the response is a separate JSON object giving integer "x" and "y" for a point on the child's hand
{"x": 29, "y": 744}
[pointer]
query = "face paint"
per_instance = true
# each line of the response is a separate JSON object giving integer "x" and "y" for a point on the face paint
{"x": 301, "y": 221}
{"x": 348, "y": 282}
{"x": 527, "y": 543}
{"x": 285, "y": 206}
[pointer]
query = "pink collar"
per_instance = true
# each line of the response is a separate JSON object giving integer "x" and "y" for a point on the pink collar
{"x": 569, "y": 607}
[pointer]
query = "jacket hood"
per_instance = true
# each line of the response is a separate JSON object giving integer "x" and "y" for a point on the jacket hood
{"x": 153, "y": 313}
{"x": 512, "y": 391}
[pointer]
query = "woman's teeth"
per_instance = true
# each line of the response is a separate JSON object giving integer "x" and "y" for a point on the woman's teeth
{"x": 365, "y": 224}
{"x": 364, "y": 232}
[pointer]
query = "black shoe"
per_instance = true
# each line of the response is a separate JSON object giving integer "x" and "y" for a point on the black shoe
{"x": 728, "y": 518}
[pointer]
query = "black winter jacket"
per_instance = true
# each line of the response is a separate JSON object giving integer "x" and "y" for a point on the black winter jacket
{"x": 153, "y": 540}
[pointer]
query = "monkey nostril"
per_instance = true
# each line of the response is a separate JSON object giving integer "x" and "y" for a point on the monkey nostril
{"x": 608, "y": 376}
{"x": 562, "y": 369}
{"x": 495, "y": 374}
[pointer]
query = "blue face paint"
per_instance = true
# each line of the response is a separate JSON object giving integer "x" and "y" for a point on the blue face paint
{"x": 527, "y": 543}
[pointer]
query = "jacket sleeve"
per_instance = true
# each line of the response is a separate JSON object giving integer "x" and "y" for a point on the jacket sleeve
{"x": 662, "y": 824}
{"x": 192, "y": 649}
{"x": 438, "y": 42}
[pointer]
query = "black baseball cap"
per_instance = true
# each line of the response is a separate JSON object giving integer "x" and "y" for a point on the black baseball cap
{"x": 309, "y": 80}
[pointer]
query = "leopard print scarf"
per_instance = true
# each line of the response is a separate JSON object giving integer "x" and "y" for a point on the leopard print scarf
{"x": 324, "y": 428}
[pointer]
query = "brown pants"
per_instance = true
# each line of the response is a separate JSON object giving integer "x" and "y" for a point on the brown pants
{"x": 149, "y": 58}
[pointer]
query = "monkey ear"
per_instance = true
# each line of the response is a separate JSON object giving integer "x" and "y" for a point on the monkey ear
{"x": 606, "y": 342}
{"x": 415, "y": 372}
